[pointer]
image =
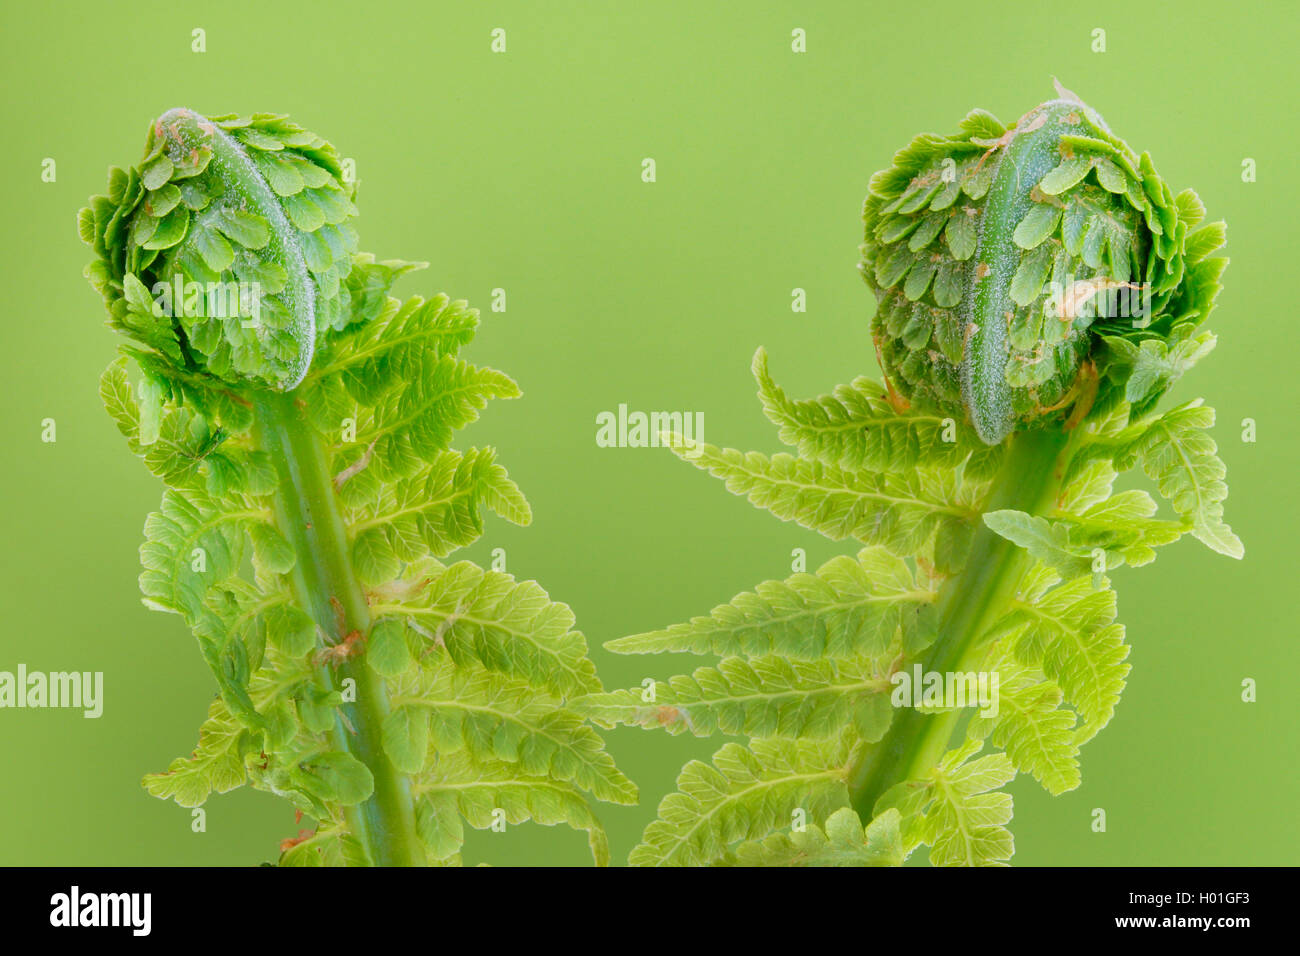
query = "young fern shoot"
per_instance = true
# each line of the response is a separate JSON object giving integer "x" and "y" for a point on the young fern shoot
{"x": 1039, "y": 289}
{"x": 302, "y": 419}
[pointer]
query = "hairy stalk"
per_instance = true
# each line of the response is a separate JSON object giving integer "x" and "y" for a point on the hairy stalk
{"x": 324, "y": 581}
{"x": 1028, "y": 480}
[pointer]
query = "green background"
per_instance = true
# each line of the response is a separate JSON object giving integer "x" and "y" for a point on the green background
{"x": 522, "y": 171}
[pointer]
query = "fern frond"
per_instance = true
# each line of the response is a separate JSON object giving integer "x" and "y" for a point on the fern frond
{"x": 375, "y": 356}
{"x": 435, "y": 512}
{"x": 843, "y": 842}
{"x": 757, "y": 697}
{"x": 965, "y": 824}
{"x": 849, "y": 606}
{"x": 855, "y": 427}
{"x": 404, "y": 427}
{"x": 215, "y": 766}
{"x": 1177, "y": 453}
{"x": 327, "y": 845}
{"x": 744, "y": 794}
{"x": 490, "y": 619}
{"x": 193, "y": 542}
{"x": 1119, "y": 530}
{"x": 897, "y": 511}
{"x": 1033, "y": 729}
{"x": 457, "y": 788}
{"x": 1070, "y": 630}
{"x": 188, "y": 449}
{"x": 492, "y": 717}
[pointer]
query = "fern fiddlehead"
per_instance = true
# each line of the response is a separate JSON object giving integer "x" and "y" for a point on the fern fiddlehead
{"x": 302, "y": 418}
{"x": 1039, "y": 289}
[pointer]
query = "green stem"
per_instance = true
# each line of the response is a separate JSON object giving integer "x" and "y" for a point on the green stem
{"x": 326, "y": 585}
{"x": 1028, "y": 480}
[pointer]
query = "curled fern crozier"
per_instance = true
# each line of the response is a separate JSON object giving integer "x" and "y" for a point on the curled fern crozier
{"x": 976, "y": 486}
{"x": 314, "y": 499}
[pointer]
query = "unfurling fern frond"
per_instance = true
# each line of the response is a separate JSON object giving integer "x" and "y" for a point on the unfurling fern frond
{"x": 981, "y": 475}
{"x": 302, "y": 420}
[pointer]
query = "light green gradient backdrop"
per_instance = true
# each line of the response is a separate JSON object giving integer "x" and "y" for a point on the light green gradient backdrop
{"x": 523, "y": 171}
